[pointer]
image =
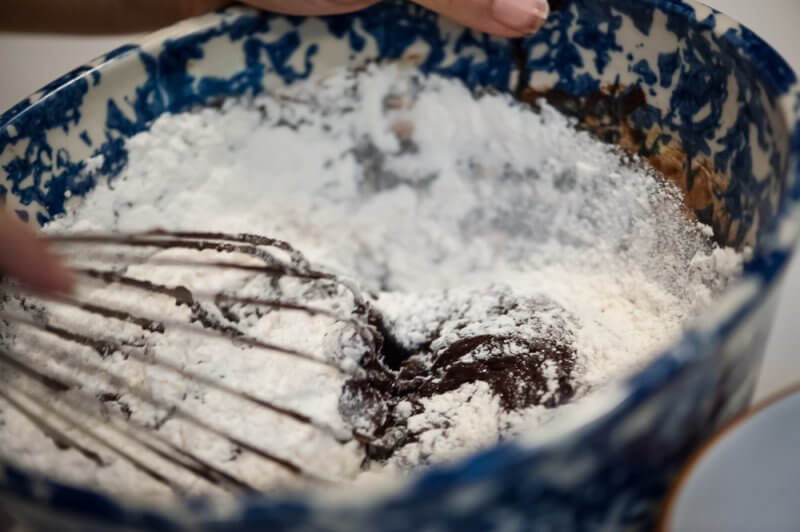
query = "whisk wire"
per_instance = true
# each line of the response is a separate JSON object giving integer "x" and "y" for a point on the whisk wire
{"x": 110, "y": 249}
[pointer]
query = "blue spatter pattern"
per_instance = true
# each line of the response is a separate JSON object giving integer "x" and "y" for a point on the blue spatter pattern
{"x": 610, "y": 473}
{"x": 695, "y": 68}
{"x": 642, "y": 68}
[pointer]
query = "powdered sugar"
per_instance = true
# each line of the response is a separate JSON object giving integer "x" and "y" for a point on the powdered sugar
{"x": 459, "y": 218}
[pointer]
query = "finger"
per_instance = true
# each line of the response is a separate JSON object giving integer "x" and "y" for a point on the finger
{"x": 25, "y": 257}
{"x": 311, "y": 7}
{"x": 509, "y": 18}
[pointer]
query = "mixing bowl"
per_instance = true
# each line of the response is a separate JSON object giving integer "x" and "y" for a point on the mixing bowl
{"x": 702, "y": 98}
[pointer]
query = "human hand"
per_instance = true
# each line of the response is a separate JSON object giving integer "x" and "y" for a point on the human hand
{"x": 510, "y": 18}
{"x": 25, "y": 257}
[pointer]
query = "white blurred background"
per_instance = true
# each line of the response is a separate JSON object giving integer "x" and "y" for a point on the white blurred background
{"x": 29, "y": 61}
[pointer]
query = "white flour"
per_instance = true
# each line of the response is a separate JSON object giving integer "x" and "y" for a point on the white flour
{"x": 433, "y": 200}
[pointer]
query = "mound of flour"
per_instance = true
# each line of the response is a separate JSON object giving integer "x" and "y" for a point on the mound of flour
{"x": 430, "y": 198}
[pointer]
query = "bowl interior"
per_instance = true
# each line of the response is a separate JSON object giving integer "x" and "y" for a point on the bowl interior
{"x": 659, "y": 79}
{"x": 701, "y": 99}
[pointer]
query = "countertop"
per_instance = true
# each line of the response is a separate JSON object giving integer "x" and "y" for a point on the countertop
{"x": 28, "y": 62}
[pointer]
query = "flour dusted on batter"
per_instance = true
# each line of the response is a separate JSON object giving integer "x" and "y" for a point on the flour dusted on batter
{"x": 510, "y": 263}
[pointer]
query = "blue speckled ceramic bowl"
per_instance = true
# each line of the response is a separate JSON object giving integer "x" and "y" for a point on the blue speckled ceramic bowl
{"x": 703, "y": 98}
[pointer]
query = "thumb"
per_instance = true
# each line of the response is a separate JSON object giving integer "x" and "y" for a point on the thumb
{"x": 510, "y": 18}
{"x": 26, "y": 258}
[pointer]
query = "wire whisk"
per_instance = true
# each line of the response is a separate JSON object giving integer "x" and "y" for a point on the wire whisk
{"x": 236, "y": 280}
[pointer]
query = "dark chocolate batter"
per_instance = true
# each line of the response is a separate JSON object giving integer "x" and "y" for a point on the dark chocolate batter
{"x": 534, "y": 366}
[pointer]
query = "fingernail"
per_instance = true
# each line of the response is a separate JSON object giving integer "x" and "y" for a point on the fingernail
{"x": 524, "y": 16}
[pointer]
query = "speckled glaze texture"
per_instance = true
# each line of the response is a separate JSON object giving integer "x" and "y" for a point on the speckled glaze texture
{"x": 701, "y": 97}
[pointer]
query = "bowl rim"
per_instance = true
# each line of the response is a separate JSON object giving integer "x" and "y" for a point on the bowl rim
{"x": 761, "y": 408}
{"x": 699, "y": 341}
